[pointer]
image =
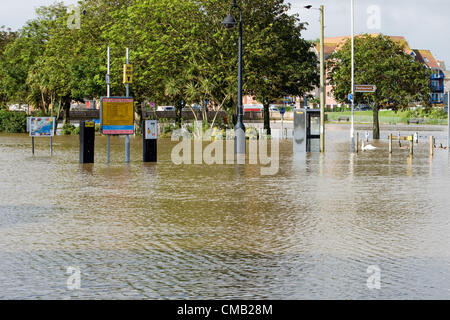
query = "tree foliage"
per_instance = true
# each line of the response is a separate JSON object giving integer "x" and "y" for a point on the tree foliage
{"x": 400, "y": 80}
{"x": 180, "y": 51}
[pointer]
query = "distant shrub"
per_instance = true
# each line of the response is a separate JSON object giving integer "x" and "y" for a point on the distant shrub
{"x": 69, "y": 129}
{"x": 13, "y": 121}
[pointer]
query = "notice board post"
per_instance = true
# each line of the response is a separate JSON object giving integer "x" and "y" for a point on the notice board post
{"x": 42, "y": 127}
{"x": 117, "y": 115}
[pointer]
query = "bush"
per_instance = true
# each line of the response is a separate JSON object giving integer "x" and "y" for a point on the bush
{"x": 69, "y": 129}
{"x": 13, "y": 121}
{"x": 432, "y": 113}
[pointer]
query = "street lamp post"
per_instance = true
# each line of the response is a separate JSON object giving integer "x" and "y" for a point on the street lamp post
{"x": 239, "y": 129}
{"x": 322, "y": 77}
{"x": 352, "y": 130}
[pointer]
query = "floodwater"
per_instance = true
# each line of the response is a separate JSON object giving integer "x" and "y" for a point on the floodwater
{"x": 163, "y": 231}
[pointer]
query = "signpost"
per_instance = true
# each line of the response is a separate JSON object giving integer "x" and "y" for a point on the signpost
{"x": 42, "y": 127}
{"x": 127, "y": 73}
{"x": 282, "y": 111}
{"x": 117, "y": 113}
{"x": 365, "y": 88}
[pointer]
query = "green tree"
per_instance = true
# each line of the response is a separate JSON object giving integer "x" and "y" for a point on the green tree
{"x": 6, "y": 36}
{"x": 280, "y": 62}
{"x": 20, "y": 55}
{"x": 400, "y": 80}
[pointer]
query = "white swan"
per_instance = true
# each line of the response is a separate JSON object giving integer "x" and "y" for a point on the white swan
{"x": 367, "y": 147}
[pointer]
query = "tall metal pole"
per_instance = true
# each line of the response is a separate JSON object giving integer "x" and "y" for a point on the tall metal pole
{"x": 352, "y": 130}
{"x": 448, "y": 114}
{"x": 127, "y": 137}
{"x": 108, "y": 83}
{"x": 108, "y": 93}
{"x": 322, "y": 81}
{"x": 239, "y": 129}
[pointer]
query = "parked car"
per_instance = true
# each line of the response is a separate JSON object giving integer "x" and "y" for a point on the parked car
{"x": 274, "y": 108}
{"x": 165, "y": 108}
{"x": 195, "y": 107}
{"x": 363, "y": 107}
{"x": 253, "y": 107}
{"x": 18, "y": 107}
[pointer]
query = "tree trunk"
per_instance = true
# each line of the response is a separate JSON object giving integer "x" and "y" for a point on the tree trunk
{"x": 178, "y": 107}
{"x": 266, "y": 116}
{"x": 376, "y": 123}
{"x": 138, "y": 117}
{"x": 66, "y": 107}
{"x": 205, "y": 112}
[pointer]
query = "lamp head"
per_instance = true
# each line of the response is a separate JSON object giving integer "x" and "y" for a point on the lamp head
{"x": 308, "y": 6}
{"x": 229, "y": 22}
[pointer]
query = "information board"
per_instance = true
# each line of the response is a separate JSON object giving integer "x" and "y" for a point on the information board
{"x": 42, "y": 126}
{"x": 117, "y": 115}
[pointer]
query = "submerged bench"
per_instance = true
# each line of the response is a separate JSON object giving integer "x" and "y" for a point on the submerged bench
{"x": 343, "y": 119}
{"x": 417, "y": 121}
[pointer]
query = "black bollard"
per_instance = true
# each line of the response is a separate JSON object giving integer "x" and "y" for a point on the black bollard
{"x": 150, "y": 141}
{"x": 87, "y": 141}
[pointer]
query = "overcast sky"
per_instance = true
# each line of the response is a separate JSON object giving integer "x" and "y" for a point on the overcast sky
{"x": 424, "y": 23}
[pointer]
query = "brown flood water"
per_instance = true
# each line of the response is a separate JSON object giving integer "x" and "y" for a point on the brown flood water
{"x": 223, "y": 232}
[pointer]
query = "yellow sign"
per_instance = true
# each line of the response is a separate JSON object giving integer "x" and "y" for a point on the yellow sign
{"x": 127, "y": 73}
{"x": 117, "y": 115}
{"x": 89, "y": 124}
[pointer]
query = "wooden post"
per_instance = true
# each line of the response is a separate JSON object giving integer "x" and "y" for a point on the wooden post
{"x": 357, "y": 142}
{"x": 411, "y": 145}
{"x": 431, "y": 145}
{"x": 32, "y": 145}
{"x": 390, "y": 143}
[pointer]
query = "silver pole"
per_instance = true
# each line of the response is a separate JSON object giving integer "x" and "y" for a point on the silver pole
{"x": 352, "y": 130}
{"x": 128, "y": 61}
{"x": 108, "y": 93}
{"x": 127, "y": 137}
{"x": 108, "y": 85}
{"x": 448, "y": 113}
{"x": 322, "y": 81}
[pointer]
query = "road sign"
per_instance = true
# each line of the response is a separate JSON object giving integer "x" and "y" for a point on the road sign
{"x": 117, "y": 115}
{"x": 350, "y": 97}
{"x": 282, "y": 110}
{"x": 365, "y": 88}
{"x": 151, "y": 131}
{"x": 127, "y": 73}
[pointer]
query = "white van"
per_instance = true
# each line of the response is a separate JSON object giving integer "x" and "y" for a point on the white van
{"x": 165, "y": 108}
